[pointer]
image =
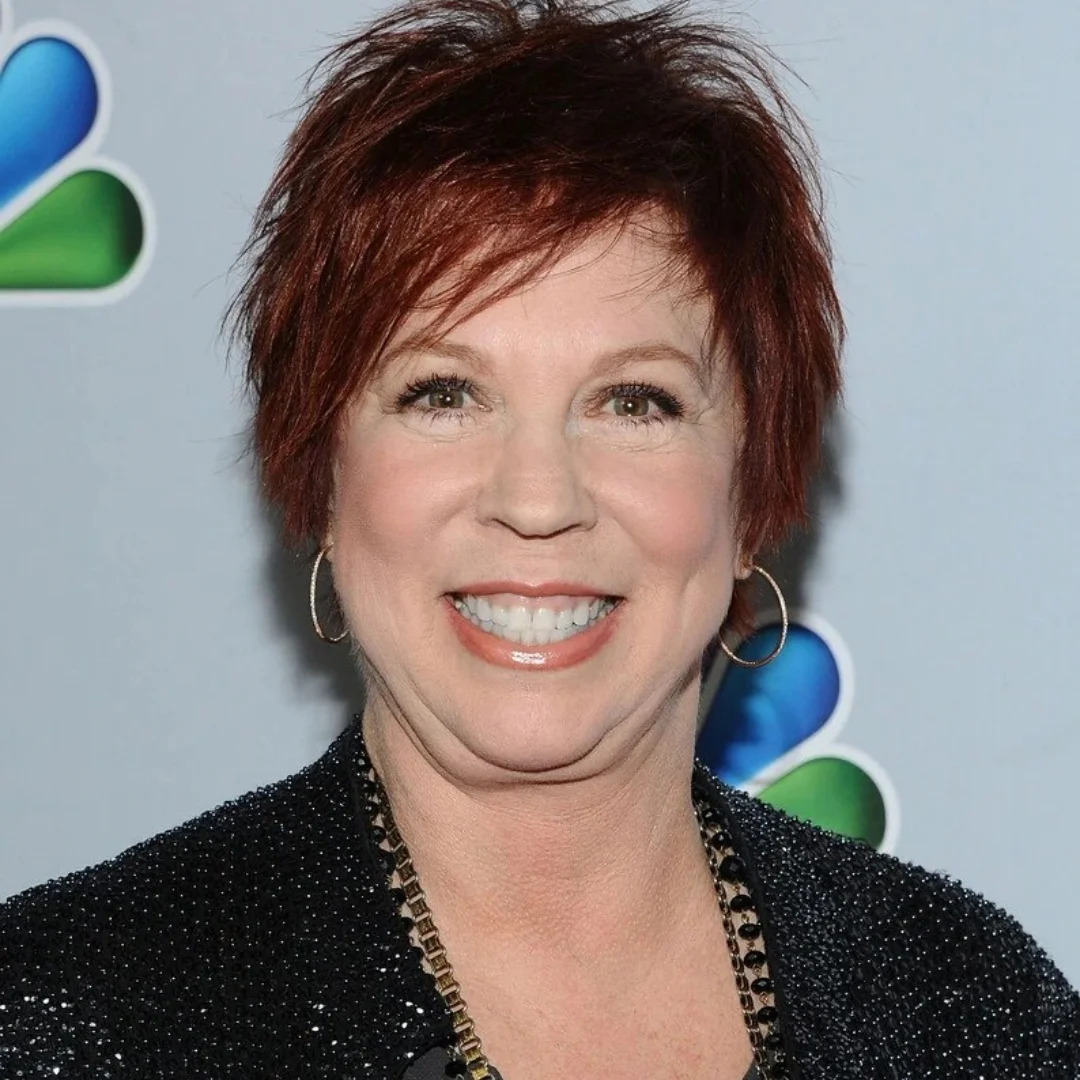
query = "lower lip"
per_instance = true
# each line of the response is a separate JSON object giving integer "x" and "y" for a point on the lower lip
{"x": 512, "y": 654}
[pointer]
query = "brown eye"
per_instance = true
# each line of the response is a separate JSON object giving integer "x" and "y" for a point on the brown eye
{"x": 437, "y": 394}
{"x": 631, "y": 401}
{"x": 631, "y": 405}
{"x": 449, "y": 398}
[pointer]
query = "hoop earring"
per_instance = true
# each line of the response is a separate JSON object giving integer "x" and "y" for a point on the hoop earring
{"x": 783, "y": 628}
{"x": 311, "y": 601}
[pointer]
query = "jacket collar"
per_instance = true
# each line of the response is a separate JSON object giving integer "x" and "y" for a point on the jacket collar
{"x": 813, "y": 957}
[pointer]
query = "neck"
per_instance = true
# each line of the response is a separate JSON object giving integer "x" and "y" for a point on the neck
{"x": 574, "y": 868}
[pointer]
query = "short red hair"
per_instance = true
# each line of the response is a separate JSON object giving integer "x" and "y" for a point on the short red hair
{"x": 457, "y": 139}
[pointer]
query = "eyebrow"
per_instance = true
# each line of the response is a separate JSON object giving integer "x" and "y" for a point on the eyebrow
{"x": 603, "y": 364}
{"x": 650, "y": 352}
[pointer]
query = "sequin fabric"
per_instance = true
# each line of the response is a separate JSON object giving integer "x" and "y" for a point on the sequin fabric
{"x": 260, "y": 941}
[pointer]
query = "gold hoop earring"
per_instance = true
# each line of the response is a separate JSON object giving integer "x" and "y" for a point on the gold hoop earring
{"x": 323, "y": 636}
{"x": 783, "y": 628}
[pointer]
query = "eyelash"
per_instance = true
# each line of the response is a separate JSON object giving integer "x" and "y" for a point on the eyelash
{"x": 669, "y": 405}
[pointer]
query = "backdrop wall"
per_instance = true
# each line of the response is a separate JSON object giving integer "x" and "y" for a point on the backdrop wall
{"x": 155, "y": 657}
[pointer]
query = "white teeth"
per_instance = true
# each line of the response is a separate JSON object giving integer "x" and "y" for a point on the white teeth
{"x": 532, "y": 626}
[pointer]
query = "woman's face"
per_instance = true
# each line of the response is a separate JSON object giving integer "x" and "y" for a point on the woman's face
{"x": 533, "y": 524}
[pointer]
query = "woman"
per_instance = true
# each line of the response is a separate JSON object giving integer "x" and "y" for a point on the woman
{"x": 541, "y": 331}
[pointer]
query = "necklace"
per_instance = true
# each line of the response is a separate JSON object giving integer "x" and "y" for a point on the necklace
{"x": 738, "y": 911}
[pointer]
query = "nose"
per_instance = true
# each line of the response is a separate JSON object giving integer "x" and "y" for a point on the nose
{"x": 535, "y": 486}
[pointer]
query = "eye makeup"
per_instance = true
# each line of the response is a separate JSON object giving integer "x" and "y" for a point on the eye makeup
{"x": 454, "y": 387}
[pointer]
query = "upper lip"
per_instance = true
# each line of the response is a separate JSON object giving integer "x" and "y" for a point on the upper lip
{"x": 524, "y": 588}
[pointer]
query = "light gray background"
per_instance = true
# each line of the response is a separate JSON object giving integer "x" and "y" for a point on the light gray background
{"x": 154, "y": 655}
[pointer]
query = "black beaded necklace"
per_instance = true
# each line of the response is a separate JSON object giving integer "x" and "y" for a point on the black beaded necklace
{"x": 738, "y": 910}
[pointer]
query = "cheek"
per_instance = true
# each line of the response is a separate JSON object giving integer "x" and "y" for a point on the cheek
{"x": 392, "y": 495}
{"x": 678, "y": 507}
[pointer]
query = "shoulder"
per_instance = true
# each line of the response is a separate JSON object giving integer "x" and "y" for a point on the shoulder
{"x": 226, "y": 855}
{"x": 208, "y": 929}
{"x": 919, "y": 963}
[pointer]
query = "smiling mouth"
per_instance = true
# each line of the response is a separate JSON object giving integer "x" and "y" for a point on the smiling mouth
{"x": 539, "y": 621}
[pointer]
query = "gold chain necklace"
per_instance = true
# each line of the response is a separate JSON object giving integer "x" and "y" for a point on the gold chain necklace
{"x": 738, "y": 910}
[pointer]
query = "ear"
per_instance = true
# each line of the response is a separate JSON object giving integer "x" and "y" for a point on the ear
{"x": 744, "y": 566}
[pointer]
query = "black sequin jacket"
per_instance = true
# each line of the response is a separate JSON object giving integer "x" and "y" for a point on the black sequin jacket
{"x": 260, "y": 941}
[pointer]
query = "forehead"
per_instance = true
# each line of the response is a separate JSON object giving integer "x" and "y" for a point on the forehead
{"x": 617, "y": 295}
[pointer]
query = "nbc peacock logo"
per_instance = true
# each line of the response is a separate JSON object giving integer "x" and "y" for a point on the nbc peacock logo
{"x": 774, "y": 731}
{"x": 75, "y": 227}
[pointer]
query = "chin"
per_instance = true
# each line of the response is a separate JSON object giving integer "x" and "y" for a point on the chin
{"x": 548, "y": 743}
